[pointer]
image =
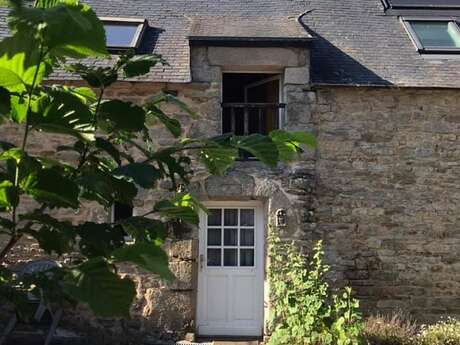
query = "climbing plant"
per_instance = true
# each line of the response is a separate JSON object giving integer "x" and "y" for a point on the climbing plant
{"x": 115, "y": 157}
{"x": 303, "y": 308}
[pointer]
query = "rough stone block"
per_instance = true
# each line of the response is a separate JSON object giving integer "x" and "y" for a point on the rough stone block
{"x": 184, "y": 272}
{"x": 254, "y": 57}
{"x": 297, "y": 75}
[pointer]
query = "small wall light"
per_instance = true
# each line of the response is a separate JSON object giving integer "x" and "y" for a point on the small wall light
{"x": 281, "y": 218}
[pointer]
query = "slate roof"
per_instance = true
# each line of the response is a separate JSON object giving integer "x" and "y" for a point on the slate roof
{"x": 354, "y": 42}
{"x": 209, "y": 27}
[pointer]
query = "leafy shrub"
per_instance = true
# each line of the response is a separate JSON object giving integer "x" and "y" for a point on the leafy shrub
{"x": 397, "y": 329}
{"x": 442, "y": 333}
{"x": 303, "y": 308}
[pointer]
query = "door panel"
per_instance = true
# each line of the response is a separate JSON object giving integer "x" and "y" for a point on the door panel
{"x": 242, "y": 286}
{"x": 216, "y": 301}
{"x": 230, "y": 279}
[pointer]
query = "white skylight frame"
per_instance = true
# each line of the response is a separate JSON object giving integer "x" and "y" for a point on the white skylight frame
{"x": 407, "y": 22}
{"x": 137, "y": 37}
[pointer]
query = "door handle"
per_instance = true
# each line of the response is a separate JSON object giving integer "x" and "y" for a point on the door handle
{"x": 201, "y": 261}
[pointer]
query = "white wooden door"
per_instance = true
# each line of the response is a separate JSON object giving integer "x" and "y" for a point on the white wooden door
{"x": 230, "y": 278}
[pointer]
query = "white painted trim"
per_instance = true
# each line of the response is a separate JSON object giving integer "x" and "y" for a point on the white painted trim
{"x": 232, "y": 203}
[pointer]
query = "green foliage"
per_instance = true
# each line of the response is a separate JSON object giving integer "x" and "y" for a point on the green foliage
{"x": 114, "y": 158}
{"x": 304, "y": 310}
{"x": 96, "y": 283}
{"x": 64, "y": 28}
{"x": 445, "y": 332}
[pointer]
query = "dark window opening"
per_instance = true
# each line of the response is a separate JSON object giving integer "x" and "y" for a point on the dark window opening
{"x": 123, "y": 33}
{"x": 121, "y": 212}
{"x": 251, "y": 104}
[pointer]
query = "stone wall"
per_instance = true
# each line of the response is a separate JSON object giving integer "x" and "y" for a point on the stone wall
{"x": 388, "y": 193}
{"x": 381, "y": 190}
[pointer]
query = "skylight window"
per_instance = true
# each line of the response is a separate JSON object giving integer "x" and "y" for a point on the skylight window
{"x": 434, "y": 36}
{"x": 123, "y": 33}
{"x": 421, "y": 4}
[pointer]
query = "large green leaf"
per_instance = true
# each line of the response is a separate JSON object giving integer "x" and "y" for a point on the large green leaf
{"x": 96, "y": 284}
{"x": 119, "y": 115}
{"x": 149, "y": 256}
{"x": 104, "y": 188}
{"x": 140, "y": 65}
{"x": 216, "y": 157}
{"x": 12, "y": 153}
{"x": 95, "y": 76}
{"x": 10, "y": 80}
{"x": 86, "y": 94}
{"x": 68, "y": 28}
{"x": 172, "y": 166}
{"x": 170, "y": 210}
{"x": 59, "y": 110}
{"x": 8, "y": 195}
{"x": 51, "y": 187}
{"x": 18, "y": 109}
{"x": 19, "y": 62}
{"x": 143, "y": 229}
{"x": 173, "y": 125}
{"x": 47, "y": 3}
{"x": 165, "y": 97}
{"x": 145, "y": 175}
{"x": 290, "y": 143}
{"x": 28, "y": 166}
{"x": 109, "y": 148}
{"x": 188, "y": 200}
{"x": 260, "y": 146}
{"x": 99, "y": 239}
{"x": 53, "y": 236}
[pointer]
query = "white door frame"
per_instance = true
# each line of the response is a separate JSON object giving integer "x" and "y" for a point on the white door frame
{"x": 260, "y": 236}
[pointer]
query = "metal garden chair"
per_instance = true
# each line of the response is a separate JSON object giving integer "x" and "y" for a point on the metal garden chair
{"x": 42, "y": 306}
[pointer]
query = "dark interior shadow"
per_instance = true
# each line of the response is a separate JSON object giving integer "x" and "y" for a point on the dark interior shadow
{"x": 329, "y": 64}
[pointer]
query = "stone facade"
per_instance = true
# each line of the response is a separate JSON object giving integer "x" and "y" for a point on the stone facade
{"x": 381, "y": 190}
{"x": 387, "y": 193}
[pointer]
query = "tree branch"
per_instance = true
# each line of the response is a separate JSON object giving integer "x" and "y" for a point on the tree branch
{"x": 15, "y": 237}
{"x": 11, "y": 243}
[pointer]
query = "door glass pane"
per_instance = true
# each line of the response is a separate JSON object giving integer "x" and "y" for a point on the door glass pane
{"x": 247, "y": 217}
{"x": 214, "y": 257}
{"x": 230, "y": 257}
{"x": 214, "y": 237}
{"x": 247, "y": 237}
{"x": 246, "y": 257}
{"x": 215, "y": 217}
{"x": 230, "y": 217}
{"x": 231, "y": 237}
